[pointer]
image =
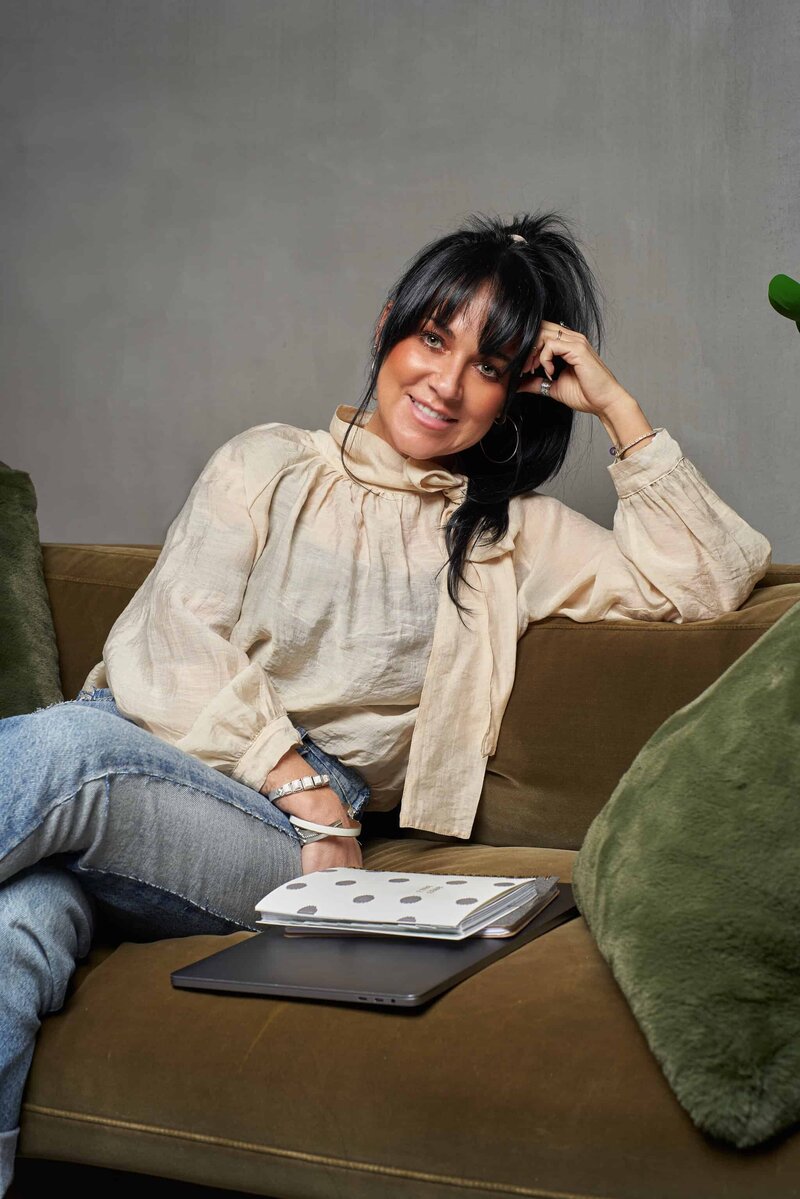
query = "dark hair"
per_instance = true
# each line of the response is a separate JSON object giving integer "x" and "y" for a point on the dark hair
{"x": 546, "y": 279}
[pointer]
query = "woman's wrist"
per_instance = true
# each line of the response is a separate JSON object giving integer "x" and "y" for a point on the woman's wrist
{"x": 321, "y": 804}
{"x": 624, "y": 422}
{"x": 291, "y": 766}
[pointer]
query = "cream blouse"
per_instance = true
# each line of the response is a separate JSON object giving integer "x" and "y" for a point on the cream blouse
{"x": 288, "y": 593}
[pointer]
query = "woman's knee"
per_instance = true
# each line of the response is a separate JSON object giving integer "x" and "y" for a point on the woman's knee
{"x": 56, "y": 725}
{"x": 73, "y": 732}
{"x": 46, "y": 925}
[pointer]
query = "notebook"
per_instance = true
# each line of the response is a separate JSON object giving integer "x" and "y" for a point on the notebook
{"x": 350, "y": 969}
{"x": 404, "y": 903}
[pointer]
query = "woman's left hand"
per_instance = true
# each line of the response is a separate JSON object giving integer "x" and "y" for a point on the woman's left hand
{"x": 586, "y": 384}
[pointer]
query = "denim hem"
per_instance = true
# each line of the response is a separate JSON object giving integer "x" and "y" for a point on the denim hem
{"x": 95, "y": 870}
{"x": 348, "y": 784}
{"x": 166, "y": 778}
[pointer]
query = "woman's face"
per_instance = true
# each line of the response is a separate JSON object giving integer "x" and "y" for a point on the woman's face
{"x": 440, "y": 368}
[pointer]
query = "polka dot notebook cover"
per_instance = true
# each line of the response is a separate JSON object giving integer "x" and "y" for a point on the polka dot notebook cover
{"x": 447, "y": 906}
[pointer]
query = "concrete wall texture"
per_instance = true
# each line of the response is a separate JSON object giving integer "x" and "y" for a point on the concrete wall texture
{"x": 204, "y": 203}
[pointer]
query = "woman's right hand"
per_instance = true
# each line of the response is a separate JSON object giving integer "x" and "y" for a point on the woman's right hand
{"x": 326, "y": 851}
{"x": 323, "y": 806}
{"x": 331, "y": 851}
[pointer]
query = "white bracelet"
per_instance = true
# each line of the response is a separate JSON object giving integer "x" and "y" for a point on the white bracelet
{"x": 309, "y": 782}
{"x": 327, "y": 830}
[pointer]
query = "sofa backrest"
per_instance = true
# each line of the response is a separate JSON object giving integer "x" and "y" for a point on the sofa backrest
{"x": 586, "y": 696}
{"x": 89, "y": 586}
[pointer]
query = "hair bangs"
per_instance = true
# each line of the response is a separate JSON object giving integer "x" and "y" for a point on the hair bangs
{"x": 510, "y": 322}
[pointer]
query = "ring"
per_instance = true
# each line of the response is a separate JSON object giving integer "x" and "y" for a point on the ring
{"x": 545, "y": 388}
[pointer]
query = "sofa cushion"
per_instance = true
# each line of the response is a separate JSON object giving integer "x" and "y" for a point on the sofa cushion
{"x": 529, "y": 1078}
{"x": 688, "y": 879}
{"x": 29, "y": 676}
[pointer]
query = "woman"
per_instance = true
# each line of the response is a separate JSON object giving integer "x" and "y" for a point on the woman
{"x": 301, "y": 586}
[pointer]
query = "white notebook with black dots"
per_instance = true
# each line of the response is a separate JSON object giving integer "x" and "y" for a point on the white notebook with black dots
{"x": 443, "y": 906}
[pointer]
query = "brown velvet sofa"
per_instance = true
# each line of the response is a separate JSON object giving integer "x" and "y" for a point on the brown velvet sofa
{"x": 530, "y": 1078}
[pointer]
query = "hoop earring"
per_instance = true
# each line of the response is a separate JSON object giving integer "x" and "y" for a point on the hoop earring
{"x": 513, "y": 454}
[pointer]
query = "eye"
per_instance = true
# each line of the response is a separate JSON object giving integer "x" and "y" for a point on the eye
{"x": 430, "y": 333}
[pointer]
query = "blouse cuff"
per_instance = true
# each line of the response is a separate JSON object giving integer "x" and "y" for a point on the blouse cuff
{"x": 261, "y": 755}
{"x": 661, "y": 455}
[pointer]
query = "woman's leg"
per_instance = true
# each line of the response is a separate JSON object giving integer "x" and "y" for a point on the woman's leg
{"x": 146, "y": 828}
{"x": 162, "y": 844}
{"x": 46, "y": 924}
{"x": 165, "y": 846}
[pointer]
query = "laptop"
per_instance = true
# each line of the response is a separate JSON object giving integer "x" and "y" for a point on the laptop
{"x": 405, "y": 972}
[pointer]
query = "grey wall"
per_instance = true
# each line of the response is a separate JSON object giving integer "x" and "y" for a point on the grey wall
{"x": 205, "y": 201}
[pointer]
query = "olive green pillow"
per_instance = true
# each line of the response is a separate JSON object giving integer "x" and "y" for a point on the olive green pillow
{"x": 29, "y": 676}
{"x": 689, "y": 879}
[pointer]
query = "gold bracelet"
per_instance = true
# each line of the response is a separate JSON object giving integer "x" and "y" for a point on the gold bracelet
{"x": 618, "y": 453}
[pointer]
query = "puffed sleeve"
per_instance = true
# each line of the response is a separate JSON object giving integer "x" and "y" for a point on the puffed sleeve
{"x": 677, "y": 551}
{"x": 169, "y": 658}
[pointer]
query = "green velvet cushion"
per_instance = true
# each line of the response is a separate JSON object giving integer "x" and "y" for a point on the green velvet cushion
{"x": 29, "y": 676}
{"x": 689, "y": 879}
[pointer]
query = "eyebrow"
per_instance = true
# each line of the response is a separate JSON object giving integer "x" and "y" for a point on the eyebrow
{"x": 449, "y": 332}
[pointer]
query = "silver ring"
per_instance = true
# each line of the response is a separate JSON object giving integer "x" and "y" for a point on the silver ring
{"x": 545, "y": 388}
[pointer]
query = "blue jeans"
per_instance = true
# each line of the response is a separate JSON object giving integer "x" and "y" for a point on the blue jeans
{"x": 100, "y": 817}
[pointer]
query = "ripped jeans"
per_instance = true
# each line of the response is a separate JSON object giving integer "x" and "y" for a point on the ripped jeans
{"x": 100, "y": 818}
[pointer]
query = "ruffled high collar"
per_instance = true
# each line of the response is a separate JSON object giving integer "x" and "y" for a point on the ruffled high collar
{"x": 375, "y": 462}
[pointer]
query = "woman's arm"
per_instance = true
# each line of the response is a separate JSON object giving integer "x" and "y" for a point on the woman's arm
{"x": 169, "y": 660}
{"x": 323, "y": 806}
{"x": 677, "y": 551}
{"x": 625, "y": 422}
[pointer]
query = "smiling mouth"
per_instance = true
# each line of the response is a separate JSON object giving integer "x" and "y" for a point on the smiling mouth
{"x": 431, "y": 413}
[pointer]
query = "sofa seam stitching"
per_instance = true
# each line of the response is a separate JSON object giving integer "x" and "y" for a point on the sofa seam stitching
{"x": 658, "y": 627}
{"x": 302, "y": 1155}
{"x": 90, "y": 582}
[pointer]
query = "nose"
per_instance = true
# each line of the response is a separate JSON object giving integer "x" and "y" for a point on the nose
{"x": 447, "y": 382}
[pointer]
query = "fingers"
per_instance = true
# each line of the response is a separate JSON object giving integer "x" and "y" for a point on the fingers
{"x": 531, "y": 386}
{"x": 538, "y": 389}
{"x": 546, "y": 331}
{"x": 550, "y": 339}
